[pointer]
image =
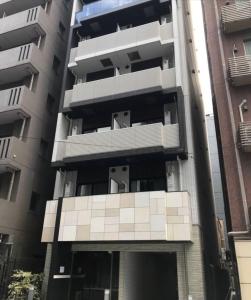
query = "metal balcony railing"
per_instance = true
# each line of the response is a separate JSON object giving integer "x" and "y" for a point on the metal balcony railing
{"x": 236, "y": 16}
{"x": 245, "y": 136}
{"x": 240, "y": 70}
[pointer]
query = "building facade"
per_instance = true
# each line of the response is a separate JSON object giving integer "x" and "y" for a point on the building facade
{"x": 228, "y": 27}
{"x": 126, "y": 220}
{"x": 33, "y": 37}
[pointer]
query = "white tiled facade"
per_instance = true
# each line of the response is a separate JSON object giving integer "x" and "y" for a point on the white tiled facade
{"x": 131, "y": 216}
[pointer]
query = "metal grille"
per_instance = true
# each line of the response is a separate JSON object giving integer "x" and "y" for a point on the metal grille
{"x": 237, "y": 12}
{"x": 245, "y": 136}
{"x": 240, "y": 69}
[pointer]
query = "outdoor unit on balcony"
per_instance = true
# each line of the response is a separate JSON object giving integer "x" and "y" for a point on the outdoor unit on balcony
{"x": 245, "y": 136}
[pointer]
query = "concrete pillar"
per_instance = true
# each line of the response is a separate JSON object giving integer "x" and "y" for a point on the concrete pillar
{"x": 46, "y": 271}
{"x": 195, "y": 268}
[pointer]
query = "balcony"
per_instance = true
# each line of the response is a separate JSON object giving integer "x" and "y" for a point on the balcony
{"x": 131, "y": 84}
{"x": 240, "y": 70}
{"x": 10, "y": 7}
{"x": 114, "y": 143}
{"x": 236, "y": 17}
{"x": 245, "y": 136}
{"x": 15, "y": 103}
{"x": 23, "y": 27}
{"x": 102, "y": 7}
{"x": 148, "y": 39}
{"x": 12, "y": 154}
{"x": 144, "y": 216}
{"x": 18, "y": 63}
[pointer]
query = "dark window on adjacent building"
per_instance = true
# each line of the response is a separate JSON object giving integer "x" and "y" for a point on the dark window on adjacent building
{"x": 43, "y": 151}
{"x": 56, "y": 64}
{"x": 35, "y": 202}
{"x": 61, "y": 28}
{"x": 50, "y": 104}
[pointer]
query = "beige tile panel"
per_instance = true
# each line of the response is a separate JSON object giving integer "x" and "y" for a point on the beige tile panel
{"x": 83, "y": 233}
{"x": 48, "y": 234}
{"x": 245, "y": 291}
{"x": 126, "y": 227}
{"x": 243, "y": 248}
{"x": 244, "y": 267}
{"x": 139, "y": 216}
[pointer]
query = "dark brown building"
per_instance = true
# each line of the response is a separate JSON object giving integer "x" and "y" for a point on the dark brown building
{"x": 228, "y": 30}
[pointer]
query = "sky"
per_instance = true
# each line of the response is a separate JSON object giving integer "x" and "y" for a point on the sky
{"x": 201, "y": 54}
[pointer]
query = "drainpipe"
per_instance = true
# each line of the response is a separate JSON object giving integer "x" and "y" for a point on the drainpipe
{"x": 240, "y": 233}
{"x": 239, "y": 169}
{"x": 244, "y": 101}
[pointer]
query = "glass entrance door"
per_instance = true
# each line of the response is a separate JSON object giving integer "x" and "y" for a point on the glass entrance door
{"x": 95, "y": 276}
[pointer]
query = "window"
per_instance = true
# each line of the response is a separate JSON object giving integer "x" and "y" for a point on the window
{"x": 149, "y": 184}
{"x": 247, "y": 47}
{"x": 97, "y": 188}
{"x": 35, "y": 201}
{"x": 50, "y": 104}
{"x": 4, "y": 238}
{"x": 61, "y": 28}
{"x": 56, "y": 64}
{"x": 43, "y": 151}
{"x": 100, "y": 75}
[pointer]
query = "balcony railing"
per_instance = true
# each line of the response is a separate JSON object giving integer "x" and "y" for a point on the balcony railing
{"x": 245, "y": 136}
{"x": 12, "y": 153}
{"x": 102, "y": 7}
{"x": 240, "y": 70}
{"x": 139, "y": 139}
{"x": 19, "y": 62}
{"x": 9, "y": 7}
{"x": 151, "y": 216}
{"x": 130, "y": 84}
{"x": 17, "y": 98}
{"x": 22, "y": 27}
{"x": 236, "y": 16}
{"x": 152, "y": 35}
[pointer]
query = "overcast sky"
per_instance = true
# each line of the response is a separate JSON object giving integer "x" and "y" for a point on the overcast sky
{"x": 201, "y": 54}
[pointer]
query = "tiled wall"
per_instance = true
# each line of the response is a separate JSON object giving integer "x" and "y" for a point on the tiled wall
{"x": 243, "y": 254}
{"x": 130, "y": 216}
{"x": 49, "y": 221}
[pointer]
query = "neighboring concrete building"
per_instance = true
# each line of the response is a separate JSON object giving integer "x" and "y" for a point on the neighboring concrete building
{"x": 132, "y": 197}
{"x": 228, "y": 27}
{"x": 33, "y": 38}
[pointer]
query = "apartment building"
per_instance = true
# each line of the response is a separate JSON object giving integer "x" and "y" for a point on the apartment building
{"x": 228, "y": 25}
{"x": 132, "y": 194}
{"x": 33, "y": 38}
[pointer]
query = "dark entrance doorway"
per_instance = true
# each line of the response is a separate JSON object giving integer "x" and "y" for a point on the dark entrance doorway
{"x": 95, "y": 276}
{"x": 151, "y": 276}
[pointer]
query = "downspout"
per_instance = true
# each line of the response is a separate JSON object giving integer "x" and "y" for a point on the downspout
{"x": 239, "y": 169}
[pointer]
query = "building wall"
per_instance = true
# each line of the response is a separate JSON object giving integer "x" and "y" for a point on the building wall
{"x": 243, "y": 254}
{"x": 16, "y": 219}
{"x": 235, "y": 163}
{"x": 226, "y": 101}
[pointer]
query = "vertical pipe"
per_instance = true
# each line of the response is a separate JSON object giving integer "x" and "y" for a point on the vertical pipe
{"x": 11, "y": 185}
{"x": 22, "y": 129}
